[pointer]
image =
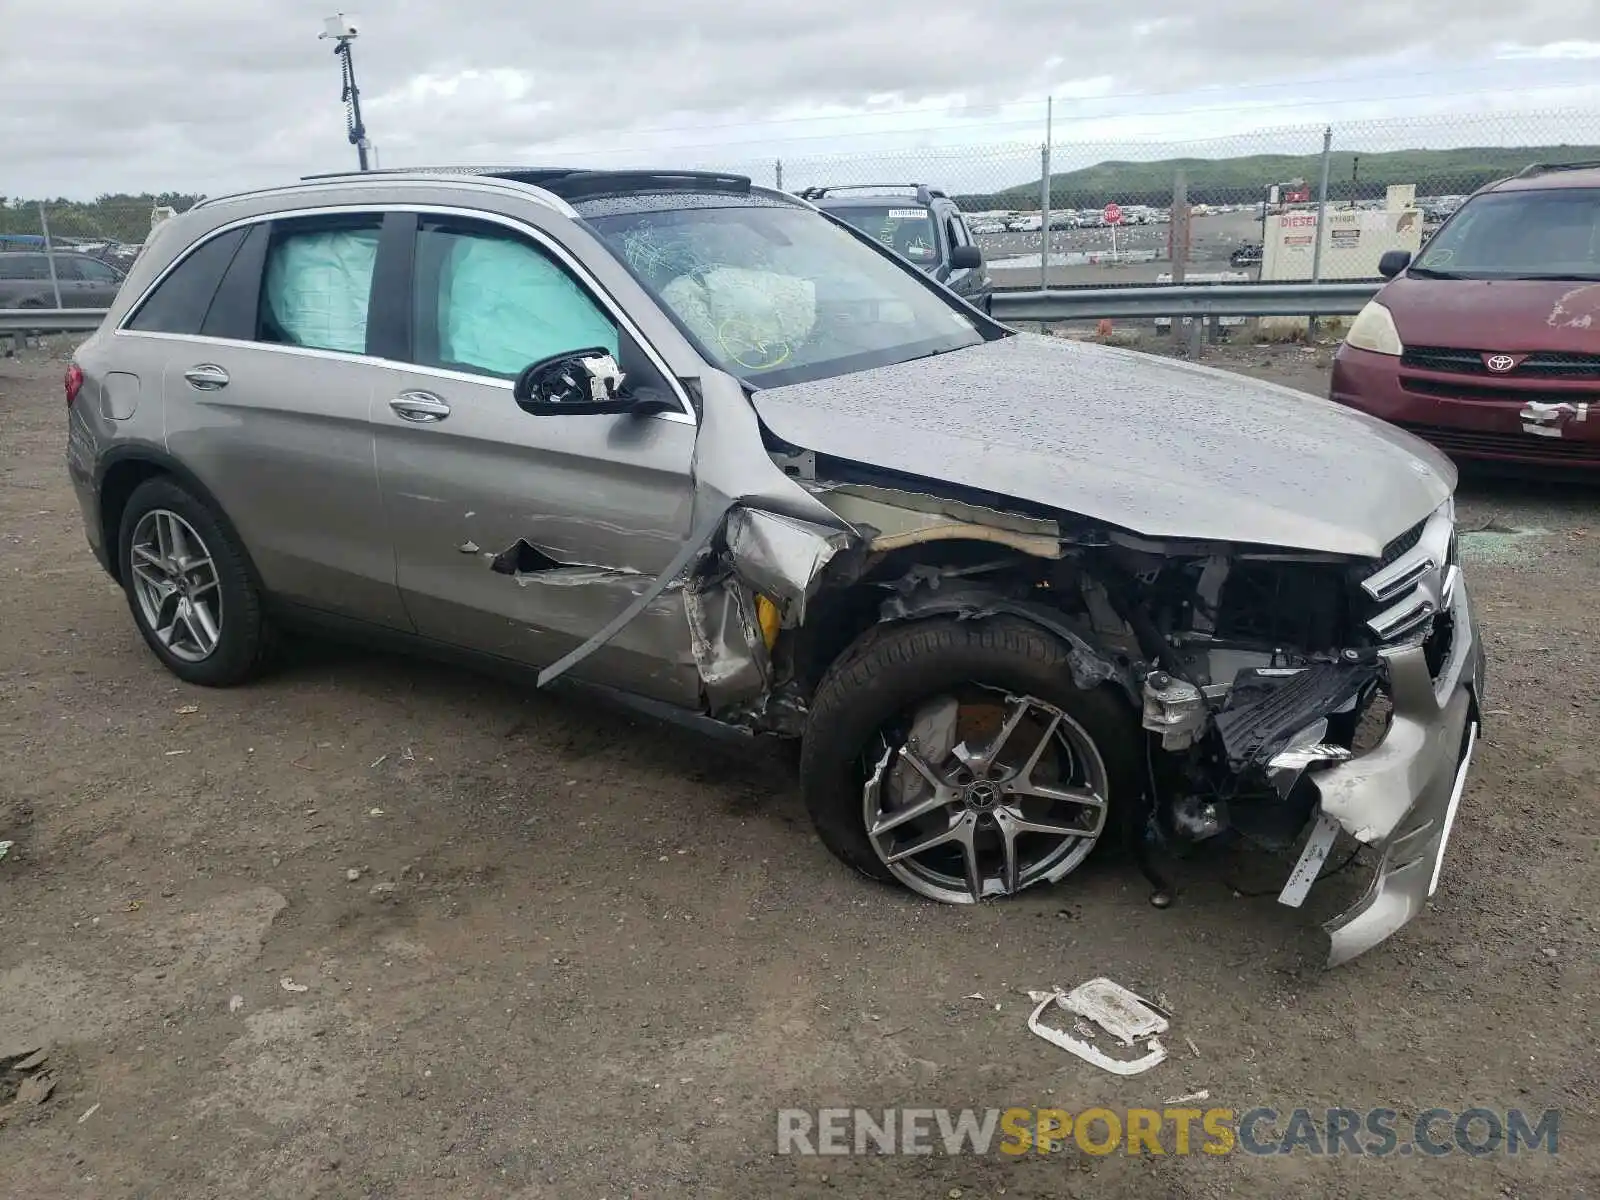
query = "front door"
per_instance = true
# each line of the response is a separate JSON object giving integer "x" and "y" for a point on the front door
{"x": 519, "y": 535}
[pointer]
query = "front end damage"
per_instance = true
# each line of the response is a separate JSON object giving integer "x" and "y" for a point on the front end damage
{"x": 1281, "y": 696}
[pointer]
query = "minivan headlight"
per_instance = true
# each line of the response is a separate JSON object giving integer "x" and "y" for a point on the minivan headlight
{"x": 1373, "y": 329}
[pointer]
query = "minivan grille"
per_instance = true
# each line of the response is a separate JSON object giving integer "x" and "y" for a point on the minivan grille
{"x": 1545, "y": 364}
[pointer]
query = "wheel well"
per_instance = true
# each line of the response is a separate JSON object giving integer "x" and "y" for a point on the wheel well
{"x": 838, "y": 616}
{"x": 118, "y": 483}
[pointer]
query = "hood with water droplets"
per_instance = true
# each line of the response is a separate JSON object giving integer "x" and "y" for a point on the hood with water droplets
{"x": 1157, "y": 446}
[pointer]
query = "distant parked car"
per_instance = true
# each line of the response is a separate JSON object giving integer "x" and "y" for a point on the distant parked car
{"x": 84, "y": 281}
{"x": 1486, "y": 345}
{"x": 921, "y": 224}
{"x": 1247, "y": 255}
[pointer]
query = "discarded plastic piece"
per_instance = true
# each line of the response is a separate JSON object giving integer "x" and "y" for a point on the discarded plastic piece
{"x": 187, "y": 710}
{"x": 235, "y": 1003}
{"x": 89, "y": 1112}
{"x": 1119, "y": 1012}
{"x": 289, "y": 985}
{"x": 5, "y": 849}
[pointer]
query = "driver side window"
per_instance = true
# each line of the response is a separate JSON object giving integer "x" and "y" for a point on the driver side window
{"x": 488, "y": 302}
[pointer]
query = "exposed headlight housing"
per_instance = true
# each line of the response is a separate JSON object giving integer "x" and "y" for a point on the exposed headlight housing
{"x": 1373, "y": 329}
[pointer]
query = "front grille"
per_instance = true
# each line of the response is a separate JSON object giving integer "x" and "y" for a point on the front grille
{"x": 1545, "y": 364}
{"x": 1408, "y": 587}
{"x": 1402, "y": 543}
{"x": 1482, "y": 443}
{"x": 1449, "y": 389}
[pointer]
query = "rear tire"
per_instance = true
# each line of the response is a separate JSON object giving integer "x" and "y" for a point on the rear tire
{"x": 198, "y": 608}
{"x": 892, "y": 671}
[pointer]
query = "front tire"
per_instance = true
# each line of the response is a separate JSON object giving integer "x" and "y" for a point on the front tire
{"x": 958, "y": 757}
{"x": 189, "y": 587}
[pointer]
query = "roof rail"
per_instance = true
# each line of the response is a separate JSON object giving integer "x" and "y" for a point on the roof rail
{"x": 571, "y": 182}
{"x": 1539, "y": 168}
{"x": 923, "y": 191}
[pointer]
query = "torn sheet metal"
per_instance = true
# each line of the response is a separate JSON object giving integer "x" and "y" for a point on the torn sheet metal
{"x": 698, "y": 540}
{"x": 729, "y": 649}
{"x": 782, "y": 558}
{"x": 1120, "y": 1013}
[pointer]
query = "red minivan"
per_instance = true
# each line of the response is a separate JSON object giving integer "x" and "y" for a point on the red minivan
{"x": 1488, "y": 344}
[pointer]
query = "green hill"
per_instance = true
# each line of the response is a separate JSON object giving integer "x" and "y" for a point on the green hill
{"x": 1352, "y": 175}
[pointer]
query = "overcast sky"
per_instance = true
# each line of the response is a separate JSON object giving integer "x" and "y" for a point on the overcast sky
{"x": 106, "y": 95}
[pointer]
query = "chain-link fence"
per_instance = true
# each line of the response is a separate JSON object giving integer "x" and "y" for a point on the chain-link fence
{"x": 70, "y": 254}
{"x": 1284, "y": 203}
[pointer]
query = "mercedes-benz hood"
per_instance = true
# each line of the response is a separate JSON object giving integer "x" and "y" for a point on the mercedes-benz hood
{"x": 1157, "y": 446}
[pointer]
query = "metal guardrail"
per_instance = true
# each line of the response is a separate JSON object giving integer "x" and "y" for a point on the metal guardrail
{"x": 1058, "y": 304}
{"x": 1186, "y": 300}
{"x": 51, "y": 320}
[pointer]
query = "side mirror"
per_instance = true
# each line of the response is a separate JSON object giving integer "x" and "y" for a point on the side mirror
{"x": 1393, "y": 262}
{"x": 576, "y": 383}
{"x": 965, "y": 258}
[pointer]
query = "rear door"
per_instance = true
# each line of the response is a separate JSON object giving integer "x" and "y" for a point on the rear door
{"x": 518, "y": 535}
{"x": 267, "y": 406}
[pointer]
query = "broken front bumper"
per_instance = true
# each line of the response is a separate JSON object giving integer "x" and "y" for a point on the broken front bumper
{"x": 1402, "y": 795}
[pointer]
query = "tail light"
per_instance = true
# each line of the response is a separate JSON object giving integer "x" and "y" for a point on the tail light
{"x": 73, "y": 382}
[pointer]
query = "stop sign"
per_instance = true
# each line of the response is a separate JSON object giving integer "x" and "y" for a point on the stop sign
{"x": 1113, "y": 214}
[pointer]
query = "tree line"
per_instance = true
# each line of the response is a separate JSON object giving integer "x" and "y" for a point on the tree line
{"x": 114, "y": 216}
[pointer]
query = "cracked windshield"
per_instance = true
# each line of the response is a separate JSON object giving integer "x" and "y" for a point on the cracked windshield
{"x": 776, "y": 295}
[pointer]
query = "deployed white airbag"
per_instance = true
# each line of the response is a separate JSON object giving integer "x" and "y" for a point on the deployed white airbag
{"x": 318, "y": 285}
{"x": 503, "y": 305}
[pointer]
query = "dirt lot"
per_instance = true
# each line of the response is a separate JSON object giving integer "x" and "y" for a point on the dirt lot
{"x": 590, "y": 956}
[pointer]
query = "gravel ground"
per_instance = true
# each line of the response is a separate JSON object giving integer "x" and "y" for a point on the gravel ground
{"x": 373, "y": 927}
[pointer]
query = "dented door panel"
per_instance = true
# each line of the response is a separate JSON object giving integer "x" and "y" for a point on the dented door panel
{"x": 519, "y": 536}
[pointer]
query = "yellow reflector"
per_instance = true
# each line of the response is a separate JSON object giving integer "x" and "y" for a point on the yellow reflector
{"x": 768, "y": 617}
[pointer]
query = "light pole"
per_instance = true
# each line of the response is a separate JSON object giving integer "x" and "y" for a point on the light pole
{"x": 344, "y": 30}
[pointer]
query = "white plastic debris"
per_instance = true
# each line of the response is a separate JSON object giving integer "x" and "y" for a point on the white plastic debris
{"x": 89, "y": 1112}
{"x": 187, "y": 710}
{"x": 975, "y": 996}
{"x": 235, "y": 1003}
{"x": 1117, "y": 1011}
{"x": 5, "y": 848}
{"x": 288, "y": 984}
{"x": 1202, "y": 1094}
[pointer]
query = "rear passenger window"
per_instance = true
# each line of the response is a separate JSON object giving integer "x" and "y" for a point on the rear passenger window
{"x": 180, "y": 301}
{"x": 317, "y": 288}
{"x": 489, "y": 303}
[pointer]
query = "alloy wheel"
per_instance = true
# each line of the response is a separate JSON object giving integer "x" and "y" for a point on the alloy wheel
{"x": 175, "y": 582}
{"x": 984, "y": 794}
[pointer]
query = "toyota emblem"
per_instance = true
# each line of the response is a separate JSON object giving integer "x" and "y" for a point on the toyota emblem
{"x": 1499, "y": 363}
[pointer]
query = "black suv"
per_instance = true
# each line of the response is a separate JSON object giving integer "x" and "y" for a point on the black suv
{"x": 919, "y": 223}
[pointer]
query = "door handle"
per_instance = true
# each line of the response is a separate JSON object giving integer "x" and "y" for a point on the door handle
{"x": 419, "y": 407}
{"x": 206, "y": 377}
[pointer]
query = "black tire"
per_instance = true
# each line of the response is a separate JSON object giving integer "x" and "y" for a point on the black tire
{"x": 244, "y": 639}
{"x": 893, "y": 667}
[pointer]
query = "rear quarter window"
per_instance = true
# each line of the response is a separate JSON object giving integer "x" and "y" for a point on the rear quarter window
{"x": 180, "y": 301}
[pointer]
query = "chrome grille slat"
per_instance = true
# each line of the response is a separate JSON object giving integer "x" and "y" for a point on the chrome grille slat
{"x": 1413, "y": 584}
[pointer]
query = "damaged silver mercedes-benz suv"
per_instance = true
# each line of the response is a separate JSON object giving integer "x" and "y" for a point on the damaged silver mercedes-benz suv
{"x": 698, "y": 443}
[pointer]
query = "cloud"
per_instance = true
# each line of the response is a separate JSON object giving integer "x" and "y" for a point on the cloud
{"x": 99, "y": 95}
